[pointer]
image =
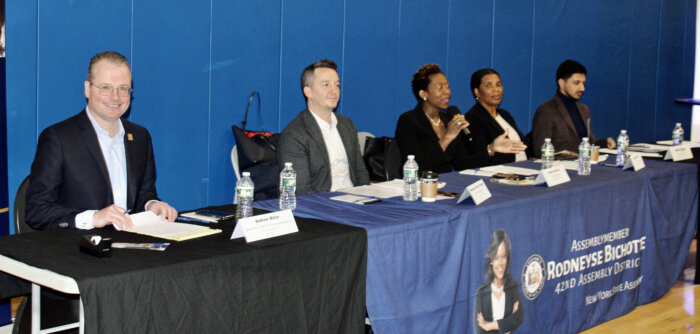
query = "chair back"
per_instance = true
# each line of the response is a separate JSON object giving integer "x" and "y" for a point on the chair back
{"x": 20, "y": 203}
{"x": 392, "y": 162}
{"x": 361, "y": 138}
{"x": 529, "y": 151}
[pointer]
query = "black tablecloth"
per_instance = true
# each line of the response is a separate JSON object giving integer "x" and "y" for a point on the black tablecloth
{"x": 312, "y": 281}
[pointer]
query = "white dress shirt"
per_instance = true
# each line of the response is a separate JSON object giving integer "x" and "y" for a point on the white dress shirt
{"x": 340, "y": 168}
{"x": 498, "y": 306}
{"x": 512, "y": 134}
{"x": 115, "y": 158}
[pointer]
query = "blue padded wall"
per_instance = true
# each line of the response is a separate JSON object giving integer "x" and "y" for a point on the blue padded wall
{"x": 195, "y": 64}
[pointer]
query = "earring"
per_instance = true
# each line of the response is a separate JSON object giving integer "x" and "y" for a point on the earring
{"x": 425, "y": 98}
{"x": 477, "y": 99}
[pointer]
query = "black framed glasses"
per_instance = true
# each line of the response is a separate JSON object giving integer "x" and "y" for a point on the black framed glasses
{"x": 106, "y": 90}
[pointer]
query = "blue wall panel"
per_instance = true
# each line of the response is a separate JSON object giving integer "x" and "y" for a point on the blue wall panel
{"x": 423, "y": 39}
{"x": 171, "y": 94}
{"x": 307, "y": 36}
{"x": 470, "y": 48}
{"x": 195, "y": 64}
{"x": 643, "y": 59}
{"x": 670, "y": 70}
{"x": 21, "y": 64}
{"x": 512, "y": 57}
{"x": 369, "y": 81}
{"x": 245, "y": 57}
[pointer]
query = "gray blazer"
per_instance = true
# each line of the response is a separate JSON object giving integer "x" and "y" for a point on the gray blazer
{"x": 301, "y": 143}
{"x": 552, "y": 120}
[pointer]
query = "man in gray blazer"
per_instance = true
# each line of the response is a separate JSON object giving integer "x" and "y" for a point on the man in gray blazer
{"x": 564, "y": 118}
{"x": 321, "y": 145}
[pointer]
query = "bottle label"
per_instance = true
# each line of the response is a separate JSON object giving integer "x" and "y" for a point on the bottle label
{"x": 244, "y": 192}
{"x": 584, "y": 152}
{"x": 410, "y": 173}
{"x": 289, "y": 182}
{"x": 547, "y": 153}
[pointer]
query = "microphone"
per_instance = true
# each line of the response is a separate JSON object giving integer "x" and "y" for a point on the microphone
{"x": 453, "y": 112}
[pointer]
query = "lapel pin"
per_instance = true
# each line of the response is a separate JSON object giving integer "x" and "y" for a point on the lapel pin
{"x": 130, "y": 137}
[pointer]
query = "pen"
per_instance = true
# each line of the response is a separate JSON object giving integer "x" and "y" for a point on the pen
{"x": 127, "y": 211}
{"x": 610, "y": 165}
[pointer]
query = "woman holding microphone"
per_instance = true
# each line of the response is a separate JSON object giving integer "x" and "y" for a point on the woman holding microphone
{"x": 436, "y": 139}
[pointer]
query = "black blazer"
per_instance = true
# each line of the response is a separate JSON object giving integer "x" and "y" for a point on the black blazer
{"x": 485, "y": 129}
{"x": 415, "y": 136}
{"x": 482, "y": 303}
{"x": 69, "y": 174}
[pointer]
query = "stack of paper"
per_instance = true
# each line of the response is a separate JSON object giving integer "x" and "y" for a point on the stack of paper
{"x": 148, "y": 223}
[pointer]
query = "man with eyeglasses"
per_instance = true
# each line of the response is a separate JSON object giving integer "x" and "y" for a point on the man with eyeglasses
{"x": 94, "y": 168}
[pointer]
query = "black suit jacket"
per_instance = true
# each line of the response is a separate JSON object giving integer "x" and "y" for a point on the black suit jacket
{"x": 415, "y": 136}
{"x": 69, "y": 174}
{"x": 485, "y": 129}
{"x": 482, "y": 303}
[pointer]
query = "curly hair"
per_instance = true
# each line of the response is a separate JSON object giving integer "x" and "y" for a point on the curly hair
{"x": 421, "y": 79}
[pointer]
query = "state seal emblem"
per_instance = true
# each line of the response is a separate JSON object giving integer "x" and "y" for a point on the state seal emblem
{"x": 533, "y": 277}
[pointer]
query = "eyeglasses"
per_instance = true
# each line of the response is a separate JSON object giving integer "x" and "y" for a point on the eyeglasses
{"x": 106, "y": 90}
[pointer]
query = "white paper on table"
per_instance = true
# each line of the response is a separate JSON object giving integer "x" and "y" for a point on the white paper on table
{"x": 670, "y": 143}
{"x": 511, "y": 170}
{"x": 477, "y": 172}
{"x": 567, "y": 164}
{"x": 379, "y": 190}
{"x": 644, "y": 154}
{"x": 608, "y": 151}
{"x": 601, "y": 158}
{"x": 149, "y": 223}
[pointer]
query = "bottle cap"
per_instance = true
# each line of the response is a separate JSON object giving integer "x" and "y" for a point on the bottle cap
{"x": 245, "y": 174}
{"x": 548, "y": 139}
{"x": 678, "y": 125}
{"x": 411, "y": 157}
{"x": 287, "y": 164}
{"x": 584, "y": 138}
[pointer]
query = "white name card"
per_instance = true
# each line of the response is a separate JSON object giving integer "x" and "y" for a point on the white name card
{"x": 678, "y": 153}
{"x": 477, "y": 191}
{"x": 265, "y": 226}
{"x": 634, "y": 161}
{"x": 553, "y": 176}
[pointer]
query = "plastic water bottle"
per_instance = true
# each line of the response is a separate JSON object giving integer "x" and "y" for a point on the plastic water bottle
{"x": 622, "y": 142}
{"x": 244, "y": 195}
{"x": 677, "y": 135}
{"x": 584, "y": 157}
{"x": 547, "y": 154}
{"x": 288, "y": 187}
{"x": 410, "y": 179}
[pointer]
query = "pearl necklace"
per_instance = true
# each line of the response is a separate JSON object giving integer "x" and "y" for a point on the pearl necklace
{"x": 494, "y": 288}
{"x": 434, "y": 122}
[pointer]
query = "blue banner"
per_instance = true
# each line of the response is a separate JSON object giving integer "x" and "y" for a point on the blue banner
{"x": 577, "y": 254}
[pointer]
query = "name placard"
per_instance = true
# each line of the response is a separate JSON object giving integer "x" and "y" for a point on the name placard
{"x": 634, "y": 161}
{"x": 553, "y": 176}
{"x": 265, "y": 226}
{"x": 678, "y": 153}
{"x": 477, "y": 191}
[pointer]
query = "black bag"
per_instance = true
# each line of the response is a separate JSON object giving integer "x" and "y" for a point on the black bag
{"x": 382, "y": 158}
{"x": 257, "y": 154}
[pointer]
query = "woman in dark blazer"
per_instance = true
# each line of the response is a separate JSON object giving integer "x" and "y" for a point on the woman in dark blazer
{"x": 435, "y": 138}
{"x": 487, "y": 120}
{"x": 507, "y": 314}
